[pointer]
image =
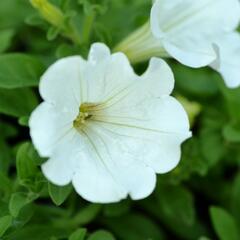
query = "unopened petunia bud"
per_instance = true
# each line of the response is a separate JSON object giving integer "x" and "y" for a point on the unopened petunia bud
{"x": 49, "y": 12}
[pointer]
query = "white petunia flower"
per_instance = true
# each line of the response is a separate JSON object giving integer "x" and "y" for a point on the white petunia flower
{"x": 228, "y": 61}
{"x": 186, "y": 30}
{"x": 105, "y": 129}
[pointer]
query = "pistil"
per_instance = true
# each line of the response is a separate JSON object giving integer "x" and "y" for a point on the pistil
{"x": 85, "y": 113}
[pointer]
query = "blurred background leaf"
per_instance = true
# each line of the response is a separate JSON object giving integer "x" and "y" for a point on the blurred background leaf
{"x": 224, "y": 224}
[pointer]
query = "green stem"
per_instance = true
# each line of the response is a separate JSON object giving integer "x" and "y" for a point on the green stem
{"x": 56, "y": 18}
{"x": 72, "y": 34}
{"x": 141, "y": 45}
{"x": 88, "y": 23}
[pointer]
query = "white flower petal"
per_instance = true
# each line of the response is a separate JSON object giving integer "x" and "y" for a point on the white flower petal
{"x": 125, "y": 89}
{"x": 58, "y": 169}
{"x": 108, "y": 77}
{"x": 156, "y": 82}
{"x": 49, "y": 125}
{"x": 158, "y": 69}
{"x": 146, "y": 114}
{"x": 139, "y": 179}
{"x": 62, "y": 165}
{"x": 149, "y": 131}
{"x": 61, "y": 83}
{"x": 187, "y": 28}
{"x": 190, "y": 51}
{"x": 98, "y": 53}
{"x": 228, "y": 62}
{"x": 113, "y": 174}
{"x": 93, "y": 179}
{"x": 175, "y": 15}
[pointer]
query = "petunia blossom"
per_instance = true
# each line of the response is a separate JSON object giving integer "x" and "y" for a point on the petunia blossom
{"x": 228, "y": 61}
{"x": 186, "y": 30}
{"x": 106, "y": 129}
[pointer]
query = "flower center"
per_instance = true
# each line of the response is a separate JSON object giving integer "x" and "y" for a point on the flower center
{"x": 85, "y": 112}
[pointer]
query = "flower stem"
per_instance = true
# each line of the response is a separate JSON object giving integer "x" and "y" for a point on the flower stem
{"x": 56, "y": 18}
{"x": 141, "y": 45}
{"x": 88, "y": 23}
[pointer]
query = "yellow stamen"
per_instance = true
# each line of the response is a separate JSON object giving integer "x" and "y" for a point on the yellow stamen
{"x": 85, "y": 112}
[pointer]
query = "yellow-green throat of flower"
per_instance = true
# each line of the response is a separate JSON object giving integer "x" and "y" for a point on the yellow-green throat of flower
{"x": 85, "y": 113}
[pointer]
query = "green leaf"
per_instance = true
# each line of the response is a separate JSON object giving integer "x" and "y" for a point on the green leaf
{"x": 134, "y": 226}
{"x": 236, "y": 198}
{"x": 224, "y": 224}
{"x": 5, "y": 223}
{"x": 59, "y": 194}
{"x": 5, "y": 183}
{"x": 12, "y": 13}
{"x": 25, "y": 215}
{"x": 19, "y": 70}
{"x": 196, "y": 82}
{"x": 90, "y": 8}
{"x": 38, "y": 232}
{"x": 232, "y": 102}
{"x": 7, "y": 129}
{"x": 35, "y": 20}
{"x": 100, "y": 235}
{"x": 191, "y": 162}
{"x": 3, "y": 208}
{"x": 52, "y": 33}
{"x": 65, "y": 50}
{"x": 5, "y": 39}
{"x": 212, "y": 145}
{"x": 17, "y": 102}
{"x": 28, "y": 172}
{"x": 87, "y": 214}
{"x": 17, "y": 202}
{"x": 5, "y": 156}
{"x": 176, "y": 226}
{"x": 26, "y": 167}
{"x": 176, "y": 203}
{"x": 23, "y": 121}
{"x": 116, "y": 209}
{"x": 79, "y": 234}
{"x": 231, "y": 133}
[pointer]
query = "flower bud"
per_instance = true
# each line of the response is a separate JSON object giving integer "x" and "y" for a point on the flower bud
{"x": 49, "y": 12}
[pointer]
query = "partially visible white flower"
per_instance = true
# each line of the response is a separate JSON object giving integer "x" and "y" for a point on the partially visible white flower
{"x": 186, "y": 30}
{"x": 105, "y": 129}
{"x": 228, "y": 61}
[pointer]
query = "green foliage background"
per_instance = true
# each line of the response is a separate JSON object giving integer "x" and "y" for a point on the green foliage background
{"x": 199, "y": 200}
